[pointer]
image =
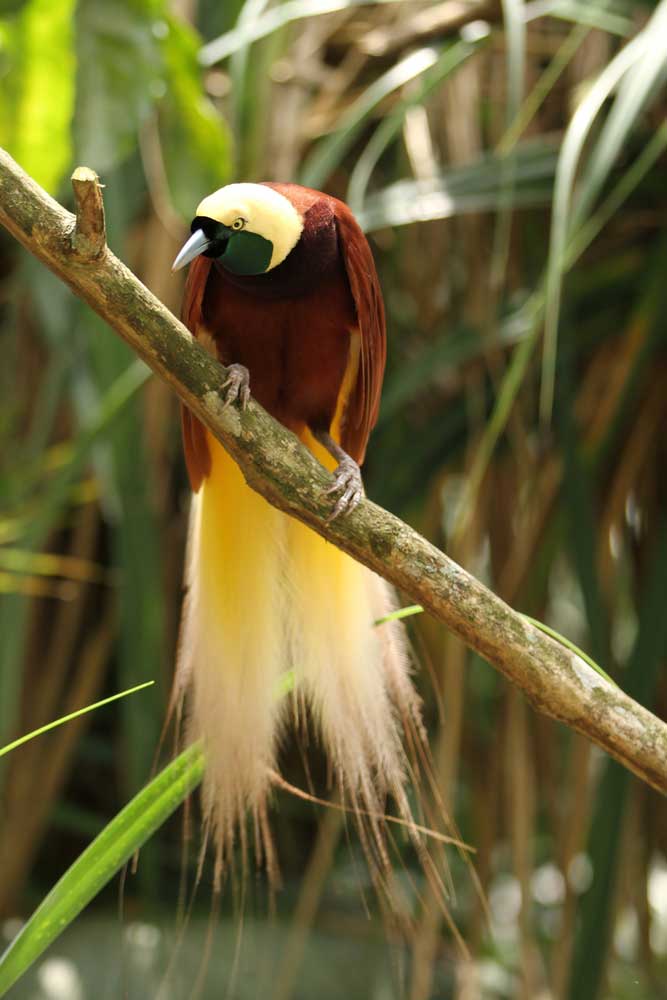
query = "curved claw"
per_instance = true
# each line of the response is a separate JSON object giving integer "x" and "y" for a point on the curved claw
{"x": 236, "y": 387}
{"x": 347, "y": 482}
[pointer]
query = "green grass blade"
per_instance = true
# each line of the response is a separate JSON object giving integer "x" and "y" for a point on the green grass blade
{"x": 448, "y": 352}
{"x": 604, "y": 841}
{"x": 111, "y": 406}
{"x": 636, "y": 89}
{"x": 586, "y": 14}
{"x": 239, "y": 63}
{"x": 407, "y": 612}
{"x": 569, "y": 645}
{"x": 405, "y": 203}
{"x": 542, "y": 89}
{"x": 562, "y": 219}
{"x": 515, "y": 33}
{"x": 285, "y": 684}
{"x": 507, "y": 392}
{"x": 72, "y": 715}
{"x": 54, "y": 498}
{"x": 329, "y": 151}
{"x": 251, "y": 30}
{"x": 114, "y": 846}
{"x": 452, "y": 57}
{"x": 632, "y": 177}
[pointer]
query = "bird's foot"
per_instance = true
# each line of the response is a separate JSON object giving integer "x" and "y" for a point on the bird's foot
{"x": 236, "y": 387}
{"x": 347, "y": 482}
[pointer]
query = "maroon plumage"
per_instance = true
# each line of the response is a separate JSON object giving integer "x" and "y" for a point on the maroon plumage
{"x": 291, "y": 328}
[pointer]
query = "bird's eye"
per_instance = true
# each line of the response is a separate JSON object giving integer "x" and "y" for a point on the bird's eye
{"x": 238, "y": 224}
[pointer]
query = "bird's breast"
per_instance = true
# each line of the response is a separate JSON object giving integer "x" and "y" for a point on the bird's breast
{"x": 294, "y": 341}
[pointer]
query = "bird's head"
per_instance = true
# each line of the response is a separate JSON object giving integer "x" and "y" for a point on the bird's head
{"x": 249, "y": 228}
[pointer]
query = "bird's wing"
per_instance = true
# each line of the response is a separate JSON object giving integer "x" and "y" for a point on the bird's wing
{"x": 363, "y": 404}
{"x": 195, "y": 445}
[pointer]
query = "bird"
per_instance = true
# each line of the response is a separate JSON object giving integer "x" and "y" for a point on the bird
{"x": 282, "y": 289}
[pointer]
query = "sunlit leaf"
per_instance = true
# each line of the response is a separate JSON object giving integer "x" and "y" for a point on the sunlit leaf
{"x": 36, "y": 114}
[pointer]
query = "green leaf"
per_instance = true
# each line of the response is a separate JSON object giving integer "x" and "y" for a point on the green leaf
{"x": 11, "y": 6}
{"x": 107, "y": 854}
{"x": 120, "y": 75}
{"x": 36, "y": 112}
{"x": 196, "y": 145}
{"x": 72, "y": 715}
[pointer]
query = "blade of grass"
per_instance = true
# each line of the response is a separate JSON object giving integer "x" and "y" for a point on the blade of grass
{"x": 407, "y": 612}
{"x": 125, "y": 463}
{"x": 533, "y": 312}
{"x": 565, "y": 222}
{"x": 564, "y": 641}
{"x": 277, "y": 17}
{"x": 14, "y": 608}
{"x": 242, "y": 103}
{"x": 473, "y": 187}
{"x": 507, "y": 392}
{"x": 450, "y": 351}
{"x": 72, "y": 715}
{"x": 587, "y": 14}
{"x": 51, "y": 564}
{"x": 430, "y": 202}
{"x": 636, "y": 89}
{"x": 541, "y": 90}
{"x": 329, "y": 151}
{"x": 450, "y": 59}
{"x": 114, "y": 846}
{"x": 604, "y": 841}
{"x": 622, "y": 190}
{"x": 515, "y": 33}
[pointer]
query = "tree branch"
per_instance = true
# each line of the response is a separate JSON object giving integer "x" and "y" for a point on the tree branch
{"x": 277, "y": 465}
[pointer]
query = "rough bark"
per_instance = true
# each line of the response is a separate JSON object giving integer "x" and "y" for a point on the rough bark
{"x": 554, "y": 679}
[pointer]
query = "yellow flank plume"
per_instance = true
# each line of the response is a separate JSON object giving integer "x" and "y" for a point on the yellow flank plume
{"x": 233, "y": 647}
{"x": 266, "y": 595}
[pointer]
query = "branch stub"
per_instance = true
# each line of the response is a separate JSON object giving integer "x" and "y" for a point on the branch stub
{"x": 89, "y": 236}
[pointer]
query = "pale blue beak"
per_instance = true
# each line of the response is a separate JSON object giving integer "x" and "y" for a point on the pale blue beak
{"x": 197, "y": 243}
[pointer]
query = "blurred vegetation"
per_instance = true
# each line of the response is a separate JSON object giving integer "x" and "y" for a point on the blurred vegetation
{"x": 508, "y": 162}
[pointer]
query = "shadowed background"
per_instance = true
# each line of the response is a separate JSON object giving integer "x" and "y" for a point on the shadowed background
{"x": 444, "y": 127}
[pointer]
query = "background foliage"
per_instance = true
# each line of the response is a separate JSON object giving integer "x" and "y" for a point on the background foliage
{"x": 508, "y": 162}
